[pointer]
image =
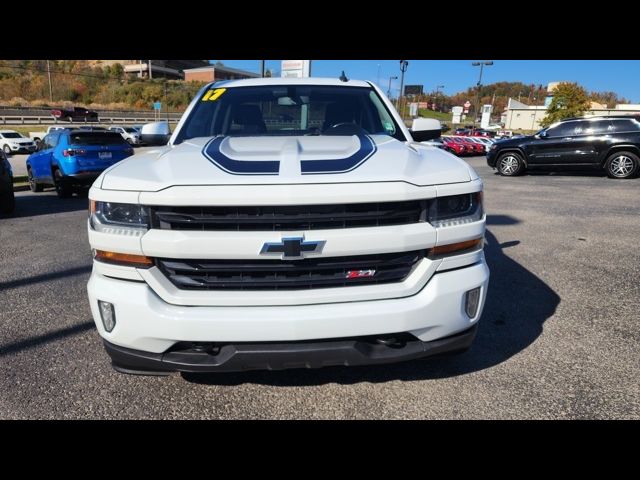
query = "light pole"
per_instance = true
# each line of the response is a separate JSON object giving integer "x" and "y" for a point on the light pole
{"x": 403, "y": 68}
{"x": 481, "y": 65}
{"x": 438, "y": 87}
{"x": 378, "y": 82}
{"x": 50, "y": 87}
{"x": 389, "y": 89}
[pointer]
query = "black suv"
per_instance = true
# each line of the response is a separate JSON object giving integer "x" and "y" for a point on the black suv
{"x": 609, "y": 143}
{"x": 7, "y": 201}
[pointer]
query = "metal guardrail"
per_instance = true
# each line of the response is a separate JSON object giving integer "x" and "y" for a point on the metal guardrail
{"x": 49, "y": 120}
{"x": 6, "y": 110}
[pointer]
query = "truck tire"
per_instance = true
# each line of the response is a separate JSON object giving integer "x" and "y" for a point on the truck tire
{"x": 510, "y": 164}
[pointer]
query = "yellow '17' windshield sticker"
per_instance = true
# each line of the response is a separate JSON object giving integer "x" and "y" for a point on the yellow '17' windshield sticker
{"x": 213, "y": 95}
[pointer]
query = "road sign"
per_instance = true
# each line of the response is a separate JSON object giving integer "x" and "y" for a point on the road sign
{"x": 413, "y": 89}
{"x": 295, "y": 68}
{"x": 157, "y": 105}
{"x": 456, "y": 110}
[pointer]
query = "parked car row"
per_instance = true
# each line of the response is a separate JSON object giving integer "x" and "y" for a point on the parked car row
{"x": 465, "y": 145}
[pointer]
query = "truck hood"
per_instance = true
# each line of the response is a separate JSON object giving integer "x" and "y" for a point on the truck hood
{"x": 286, "y": 160}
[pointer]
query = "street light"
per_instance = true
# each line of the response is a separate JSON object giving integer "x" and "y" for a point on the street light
{"x": 403, "y": 68}
{"x": 389, "y": 89}
{"x": 481, "y": 65}
{"x": 438, "y": 87}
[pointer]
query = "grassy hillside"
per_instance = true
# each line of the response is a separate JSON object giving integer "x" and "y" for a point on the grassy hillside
{"x": 77, "y": 82}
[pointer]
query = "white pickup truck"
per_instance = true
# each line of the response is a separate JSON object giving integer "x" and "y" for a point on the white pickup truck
{"x": 38, "y": 136}
{"x": 288, "y": 223}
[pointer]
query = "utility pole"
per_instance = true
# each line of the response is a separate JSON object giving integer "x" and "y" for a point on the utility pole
{"x": 262, "y": 68}
{"x": 481, "y": 65}
{"x": 378, "y": 81}
{"x": 403, "y": 68}
{"x": 165, "y": 100}
{"x": 50, "y": 88}
{"x": 150, "y": 73}
{"x": 389, "y": 89}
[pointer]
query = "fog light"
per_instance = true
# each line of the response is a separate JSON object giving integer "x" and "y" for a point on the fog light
{"x": 471, "y": 302}
{"x": 108, "y": 315}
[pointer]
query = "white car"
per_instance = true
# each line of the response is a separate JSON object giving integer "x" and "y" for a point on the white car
{"x": 14, "y": 142}
{"x": 130, "y": 134}
{"x": 288, "y": 223}
{"x": 37, "y": 137}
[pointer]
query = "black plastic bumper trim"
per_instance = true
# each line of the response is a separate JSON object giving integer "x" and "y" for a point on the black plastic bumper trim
{"x": 280, "y": 356}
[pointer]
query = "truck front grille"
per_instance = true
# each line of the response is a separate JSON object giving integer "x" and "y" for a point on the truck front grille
{"x": 288, "y": 217}
{"x": 289, "y": 274}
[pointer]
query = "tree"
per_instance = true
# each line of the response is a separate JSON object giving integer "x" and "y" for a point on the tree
{"x": 611, "y": 99}
{"x": 569, "y": 100}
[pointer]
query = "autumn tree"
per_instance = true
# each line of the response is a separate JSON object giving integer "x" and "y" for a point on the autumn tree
{"x": 569, "y": 100}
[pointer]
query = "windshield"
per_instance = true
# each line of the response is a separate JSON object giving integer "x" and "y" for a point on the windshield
{"x": 12, "y": 135}
{"x": 289, "y": 110}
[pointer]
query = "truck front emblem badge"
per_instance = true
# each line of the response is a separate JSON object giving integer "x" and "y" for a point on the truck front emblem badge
{"x": 292, "y": 248}
{"x": 360, "y": 273}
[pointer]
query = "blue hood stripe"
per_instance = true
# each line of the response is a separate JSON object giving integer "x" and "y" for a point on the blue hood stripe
{"x": 272, "y": 167}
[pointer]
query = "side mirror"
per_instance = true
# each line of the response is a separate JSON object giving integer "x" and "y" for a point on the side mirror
{"x": 156, "y": 133}
{"x": 423, "y": 129}
{"x": 543, "y": 134}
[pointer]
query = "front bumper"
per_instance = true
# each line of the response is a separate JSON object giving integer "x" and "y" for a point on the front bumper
{"x": 146, "y": 322}
{"x": 21, "y": 149}
{"x": 280, "y": 356}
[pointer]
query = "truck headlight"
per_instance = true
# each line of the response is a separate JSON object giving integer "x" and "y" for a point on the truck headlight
{"x": 456, "y": 210}
{"x": 120, "y": 218}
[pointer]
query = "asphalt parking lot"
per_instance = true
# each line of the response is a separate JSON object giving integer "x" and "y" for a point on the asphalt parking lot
{"x": 559, "y": 337}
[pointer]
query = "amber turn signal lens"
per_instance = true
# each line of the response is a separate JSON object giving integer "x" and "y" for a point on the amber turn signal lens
{"x": 92, "y": 207}
{"x": 124, "y": 259}
{"x": 455, "y": 247}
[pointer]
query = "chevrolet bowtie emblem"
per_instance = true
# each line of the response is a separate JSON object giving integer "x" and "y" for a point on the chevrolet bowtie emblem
{"x": 292, "y": 248}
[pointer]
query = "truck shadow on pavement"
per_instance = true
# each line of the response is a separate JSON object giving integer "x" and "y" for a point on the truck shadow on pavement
{"x": 518, "y": 303}
{"x": 43, "y": 204}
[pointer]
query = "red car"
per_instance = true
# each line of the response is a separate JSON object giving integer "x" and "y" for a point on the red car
{"x": 475, "y": 147}
{"x": 466, "y": 145}
{"x": 77, "y": 114}
{"x": 454, "y": 147}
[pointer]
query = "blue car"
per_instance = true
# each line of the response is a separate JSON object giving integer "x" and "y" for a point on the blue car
{"x": 72, "y": 159}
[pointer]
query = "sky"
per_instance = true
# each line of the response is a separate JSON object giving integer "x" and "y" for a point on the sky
{"x": 620, "y": 76}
